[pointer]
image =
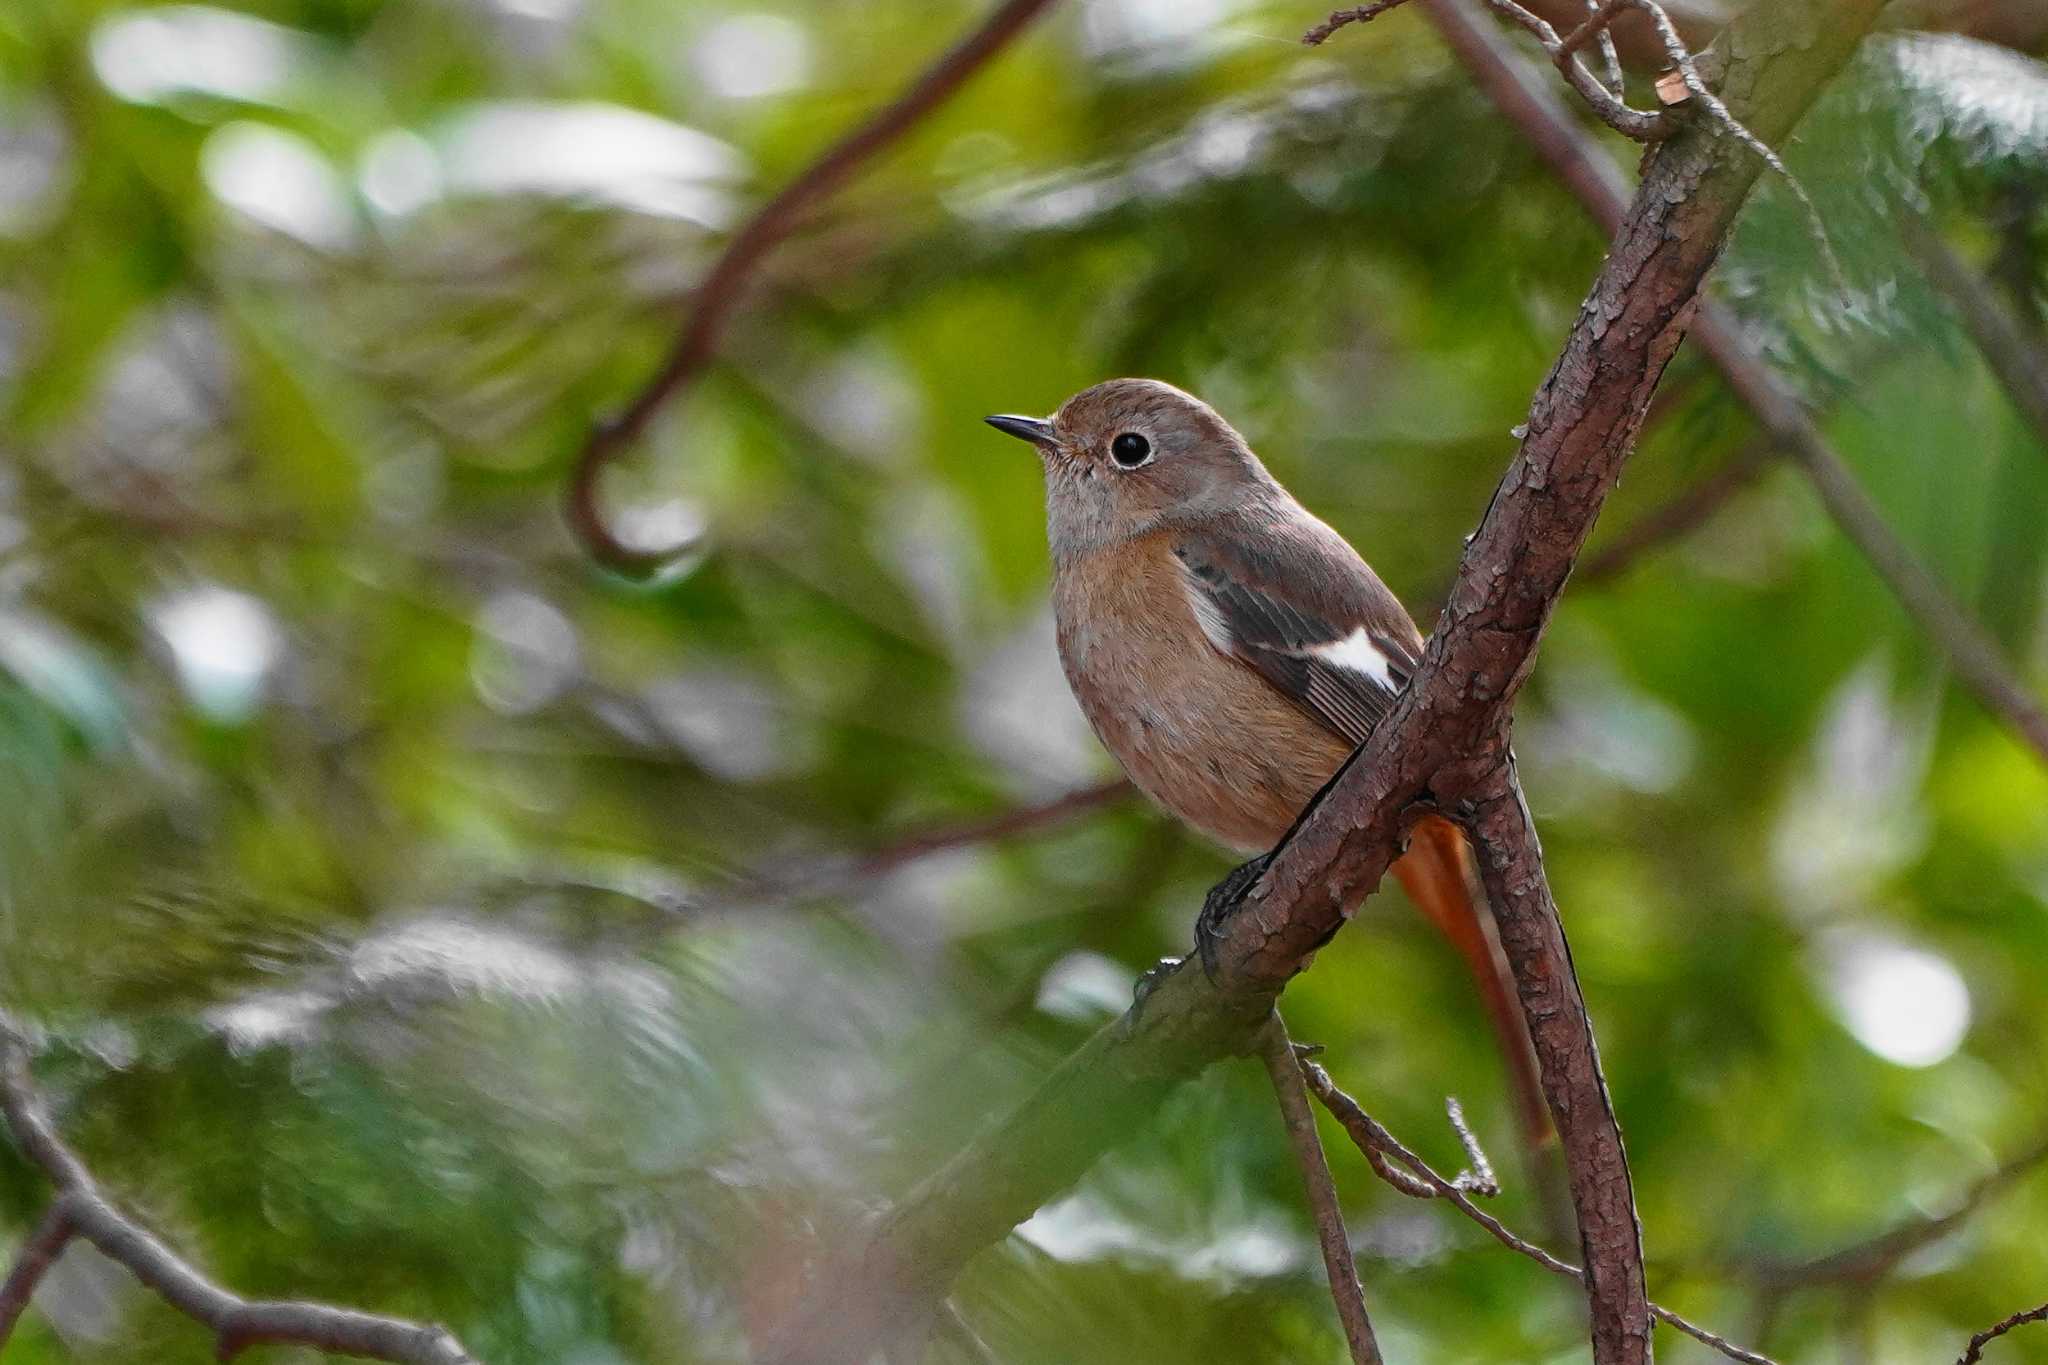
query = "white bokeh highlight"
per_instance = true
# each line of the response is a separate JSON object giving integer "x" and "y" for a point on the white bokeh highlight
{"x": 151, "y": 55}
{"x": 751, "y": 55}
{"x": 280, "y": 181}
{"x": 223, "y": 645}
{"x": 1906, "y": 1004}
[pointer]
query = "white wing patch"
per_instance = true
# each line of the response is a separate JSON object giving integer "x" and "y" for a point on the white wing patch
{"x": 1208, "y": 615}
{"x": 1359, "y": 654}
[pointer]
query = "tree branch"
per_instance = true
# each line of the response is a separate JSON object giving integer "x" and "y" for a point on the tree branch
{"x": 719, "y": 296}
{"x": 1510, "y": 864}
{"x": 1640, "y": 125}
{"x": 837, "y": 876}
{"x": 1875, "y": 1257}
{"x": 1377, "y": 1144}
{"x": 1974, "y": 1352}
{"x": 1529, "y": 104}
{"x": 1444, "y": 743}
{"x": 38, "y": 1252}
{"x": 1681, "y": 85}
{"x": 1974, "y": 654}
{"x": 2020, "y": 365}
{"x": 237, "y": 1323}
{"x": 1687, "y": 510}
{"x": 1338, "y": 1262}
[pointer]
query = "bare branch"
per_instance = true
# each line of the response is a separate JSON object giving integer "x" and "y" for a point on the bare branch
{"x": 1441, "y": 748}
{"x": 1601, "y": 14}
{"x": 836, "y": 877}
{"x": 1477, "y": 1177}
{"x": 1687, "y": 511}
{"x": 1975, "y": 1351}
{"x": 2020, "y": 365}
{"x": 1343, "y": 18}
{"x": 1636, "y": 124}
{"x": 236, "y": 1323}
{"x": 1528, "y": 102}
{"x": 2014, "y": 262}
{"x": 717, "y": 298}
{"x": 1510, "y": 863}
{"x": 1338, "y": 1261}
{"x": 1608, "y": 102}
{"x": 1376, "y": 1143}
{"x": 39, "y": 1251}
{"x": 1688, "y": 72}
{"x": 1875, "y": 1257}
{"x": 1970, "y": 649}
{"x": 1631, "y": 123}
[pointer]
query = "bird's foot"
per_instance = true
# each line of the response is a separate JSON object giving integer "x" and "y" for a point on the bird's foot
{"x": 1150, "y": 980}
{"x": 1223, "y": 901}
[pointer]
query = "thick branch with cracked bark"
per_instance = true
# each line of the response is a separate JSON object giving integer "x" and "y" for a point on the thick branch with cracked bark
{"x": 1445, "y": 745}
{"x": 1511, "y": 868}
{"x": 82, "y": 1210}
{"x": 1530, "y": 105}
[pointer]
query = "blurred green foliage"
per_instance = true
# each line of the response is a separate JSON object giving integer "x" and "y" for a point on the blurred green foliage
{"x": 365, "y": 853}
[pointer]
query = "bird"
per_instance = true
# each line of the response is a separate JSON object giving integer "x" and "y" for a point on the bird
{"x": 1231, "y": 650}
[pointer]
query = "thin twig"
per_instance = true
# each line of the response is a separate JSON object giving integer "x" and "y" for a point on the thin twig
{"x": 1599, "y": 19}
{"x": 720, "y": 294}
{"x": 1975, "y": 1351}
{"x": 1600, "y": 16}
{"x": 1686, "y": 511}
{"x": 955, "y": 1328}
{"x": 1610, "y": 105}
{"x": 1372, "y": 1137}
{"x": 1477, "y": 1177}
{"x": 39, "y": 1251}
{"x": 2014, "y": 263}
{"x": 1636, "y": 124}
{"x": 236, "y": 1323}
{"x": 2020, "y": 365}
{"x": 1343, "y": 18}
{"x": 1527, "y": 101}
{"x": 1875, "y": 1257}
{"x": 1338, "y": 1261}
{"x": 836, "y": 877}
{"x": 1970, "y": 648}
{"x": 1682, "y": 59}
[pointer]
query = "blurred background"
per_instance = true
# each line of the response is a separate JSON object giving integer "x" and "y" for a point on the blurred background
{"x": 415, "y": 915}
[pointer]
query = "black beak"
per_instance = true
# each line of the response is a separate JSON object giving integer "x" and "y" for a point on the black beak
{"x": 1033, "y": 429}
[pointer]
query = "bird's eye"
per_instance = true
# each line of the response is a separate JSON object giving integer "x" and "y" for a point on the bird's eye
{"x": 1130, "y": 450}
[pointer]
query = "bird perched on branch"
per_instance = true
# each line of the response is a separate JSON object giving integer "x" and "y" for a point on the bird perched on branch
{"x": 1231, "y": 650}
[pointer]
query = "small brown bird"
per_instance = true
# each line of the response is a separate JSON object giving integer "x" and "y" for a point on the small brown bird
{"x": 1231, "y": 649}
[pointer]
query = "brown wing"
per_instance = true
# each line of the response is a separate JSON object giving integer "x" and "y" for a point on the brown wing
{"x": 1297, "y": 603}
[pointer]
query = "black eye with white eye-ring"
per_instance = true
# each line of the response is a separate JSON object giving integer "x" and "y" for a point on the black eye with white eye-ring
{"x": 1130, "y": 450}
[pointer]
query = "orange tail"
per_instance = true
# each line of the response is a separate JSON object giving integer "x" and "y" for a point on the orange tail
{"x": 1436, "y": 871}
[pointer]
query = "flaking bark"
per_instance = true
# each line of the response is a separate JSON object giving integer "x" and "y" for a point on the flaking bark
{"x": 1445, "y": 746}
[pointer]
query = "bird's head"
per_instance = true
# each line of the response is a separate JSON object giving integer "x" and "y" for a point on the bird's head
{"x": 1132, "y": 455}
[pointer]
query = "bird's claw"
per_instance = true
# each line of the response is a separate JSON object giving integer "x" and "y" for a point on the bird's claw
{"x": 1149, "y": 980}
{"x": 1223, "y": 901}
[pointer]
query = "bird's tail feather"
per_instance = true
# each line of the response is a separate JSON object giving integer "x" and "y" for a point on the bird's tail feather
{"x": 1438, "y": 876}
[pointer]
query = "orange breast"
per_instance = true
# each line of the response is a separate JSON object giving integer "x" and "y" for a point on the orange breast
{"x": 1202, "y": 734}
